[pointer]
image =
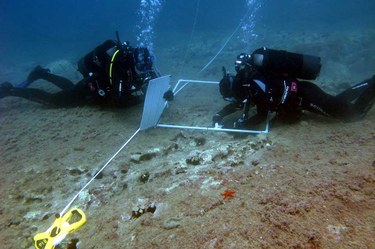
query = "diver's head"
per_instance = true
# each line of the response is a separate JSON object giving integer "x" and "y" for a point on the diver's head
{"x": 243, "y": 60}
{"x": 143, "y": 59}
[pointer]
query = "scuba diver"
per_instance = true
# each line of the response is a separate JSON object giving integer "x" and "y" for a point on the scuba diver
{"x": 114, "y": 74}
{"x": 275, "y": 81}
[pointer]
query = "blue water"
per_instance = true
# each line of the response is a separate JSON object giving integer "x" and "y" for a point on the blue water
{"x": 40, "y": 31}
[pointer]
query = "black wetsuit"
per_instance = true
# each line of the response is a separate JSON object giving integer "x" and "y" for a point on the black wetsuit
{"x": 288, "y": 97}
{"x": 71, "y": 94}
{"x": 99, "y": 86}
{"x": 90, "y": 90}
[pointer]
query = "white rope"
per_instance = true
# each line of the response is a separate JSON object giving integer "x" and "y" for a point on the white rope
{"x": 97, "y": 173}
{"x": 190, "y": 38}
{"x": 226, "y": 42}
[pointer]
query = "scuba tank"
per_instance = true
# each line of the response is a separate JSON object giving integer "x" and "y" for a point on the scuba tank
{"x": 97, "y": 60}
{"x": 301, "y": 66}
{"x": 112, "y": 62}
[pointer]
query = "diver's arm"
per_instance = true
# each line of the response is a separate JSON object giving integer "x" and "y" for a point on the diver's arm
{"x": 230, "y": 108}
{"x": 227, "y": 110}
{"x": 245, "y": 122}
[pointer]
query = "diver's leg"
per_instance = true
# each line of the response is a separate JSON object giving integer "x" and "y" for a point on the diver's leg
{"x": 366, "y": 99}
{"x": 31, "y": 94}
{"x": 316, "y": 100}
{"x": 41, "y": 73}
{"x": 5, "y": 87}
{"x": 69, "y": 98}
{"x": 65, "y": 98}
{"x": 355, "y": 91}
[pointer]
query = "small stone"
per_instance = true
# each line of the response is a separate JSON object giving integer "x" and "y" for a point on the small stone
{"x": 78, "y": 148}
{"x": 206, "y": 156}
{"x": 171, "y": 223}
{"x": 180, "y": 171}
{"x": 151, "y": 208}
{"x": 255, "y": 162}
{"x": 125, "y": 186}
{"x": 45, "y": 217}
{"x": 99, "y": 176}
{"x": 137, "y": 213}
{"x": 135, "y": 158}
{"x": 144, "y": 177}
{"x": 150, "y": 154}
{"x": 73, "y": 244}
{"x": 199, "y": 141}
{"x": 193, "y": 158}
{"x": 75, "y": 172}
{"x": 32, "y": 199}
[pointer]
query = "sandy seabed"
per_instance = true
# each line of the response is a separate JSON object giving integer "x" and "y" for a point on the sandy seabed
{"x": 304, "y": 185}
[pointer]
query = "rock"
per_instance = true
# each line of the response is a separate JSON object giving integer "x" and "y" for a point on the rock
{"x": 171, "y": 148}
{"x": 32, "y": 215}
{"x": 193, "y": 158}
{"x": 75, "y": 171}
{"x": 206, "y": 156}
{"x": 150, "y": 154}
{"x": 33, "y": 198}
{"x": 99, "y": 176}
{"x": 137, "y": 158}
{"x": 224, "y": 150}
{"x": 180, "y": 171}
{"x": 144, "y": 177}
{"x": 171, "y": 223}
{"x": 199, "y": 141}
{"x": 337, "y": 232}
{"x": 66, "y": 68}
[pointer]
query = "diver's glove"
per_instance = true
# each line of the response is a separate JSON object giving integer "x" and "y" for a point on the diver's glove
{"x": 239, "y": 124}
{"x": 146, "y": 76}
{"x": 217, "y": 120}
{"x": 168, "y": 95}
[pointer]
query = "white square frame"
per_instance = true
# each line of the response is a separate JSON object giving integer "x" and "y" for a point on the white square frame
{"x": 184, "y": 83}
